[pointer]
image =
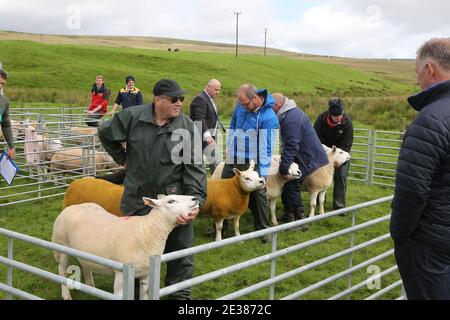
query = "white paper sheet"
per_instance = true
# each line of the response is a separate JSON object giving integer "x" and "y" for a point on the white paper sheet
{"x": 7, "y": 168}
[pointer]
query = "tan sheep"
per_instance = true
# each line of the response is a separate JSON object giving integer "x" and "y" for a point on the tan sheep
{"x": 132, "y": 240}
{"x": 228, "y": 198}
{"x": 72, "y": 159}
{"x": 104, "y": 193}
{"x": 274, "y": 182}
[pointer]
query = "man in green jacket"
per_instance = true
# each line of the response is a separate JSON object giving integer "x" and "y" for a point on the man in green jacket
{"x": 161, "y": 157}
{"x": 4, "y": 117}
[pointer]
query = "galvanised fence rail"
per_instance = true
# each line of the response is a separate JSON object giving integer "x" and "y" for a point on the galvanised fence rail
{"x": 376, "y": 250}
{"x": 73, "y": 283}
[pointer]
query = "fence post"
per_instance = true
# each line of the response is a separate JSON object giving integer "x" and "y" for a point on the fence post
{"x": 128, "y": 282}
{"x": 352, "y": 243}
{"x": 369, "y": 155}
{"x": 10, "y": 268}
{"x": 154, "y": 280}
{"x": 273, "y": 265}
{"x": 373, "y": 152}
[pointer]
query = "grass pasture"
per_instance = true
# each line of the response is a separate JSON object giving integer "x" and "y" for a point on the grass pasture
{"x": 36, "y": 219}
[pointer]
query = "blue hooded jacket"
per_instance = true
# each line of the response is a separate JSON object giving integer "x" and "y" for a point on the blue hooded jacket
{"x": 252, "y": 134}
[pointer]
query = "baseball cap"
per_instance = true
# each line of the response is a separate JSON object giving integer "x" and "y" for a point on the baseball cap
{"x": 167, "y": 87}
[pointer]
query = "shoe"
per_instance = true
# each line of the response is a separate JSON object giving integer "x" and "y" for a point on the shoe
{"x": 266, "y": 238}
{"x": 299, "y": 214}
{"x": 287, "y": 217}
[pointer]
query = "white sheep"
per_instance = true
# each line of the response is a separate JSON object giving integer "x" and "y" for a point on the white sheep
{"x": 274, "y": 182}
{"x": 90, "y": 228}
{"x": 228, "y": 198}
{"x": 72, "y": 159}
{"x": 320, "y": 180}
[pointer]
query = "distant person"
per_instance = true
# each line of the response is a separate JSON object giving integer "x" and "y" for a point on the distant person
{"x": 99, "y": 102}
{"x": 420, "y": 221}
{"x": 128, "y": 96}
{"x": 4, "y": 117}
{"x": 204, "y": 113}
{"x": 335, "y": 128}
{"x": 253, "y": 131}
{"x": 299, "y": 144}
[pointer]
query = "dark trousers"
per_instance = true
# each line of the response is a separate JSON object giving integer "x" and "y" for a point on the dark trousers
{"x": 425, "y": 271}
{"x": 93, "y": 120}
{"x": 182, "y": 237}
{"x": 258, "y": 203}
{"x": 340, "y": 186}
{"x": 291, "y": 196}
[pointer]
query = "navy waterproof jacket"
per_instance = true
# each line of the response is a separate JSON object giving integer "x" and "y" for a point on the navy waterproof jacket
{"x": 421, "y": 205}
{"x": 300, "y": 142}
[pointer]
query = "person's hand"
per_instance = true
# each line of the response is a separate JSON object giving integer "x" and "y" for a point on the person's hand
{"x": 183, "y": 219}
{"x": 210, "y": 140}
{"x": 12, "y": 153}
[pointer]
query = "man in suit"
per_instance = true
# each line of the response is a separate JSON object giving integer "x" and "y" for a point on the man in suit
{"x": 203, "y": 111}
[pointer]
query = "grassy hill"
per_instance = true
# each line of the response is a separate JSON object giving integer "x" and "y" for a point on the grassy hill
{"x": 61, "y": 69}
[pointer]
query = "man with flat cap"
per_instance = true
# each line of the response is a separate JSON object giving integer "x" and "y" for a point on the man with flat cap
{"x": 153, "y": 165}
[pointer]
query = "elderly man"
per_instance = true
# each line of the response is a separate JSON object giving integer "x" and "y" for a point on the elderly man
{"x": 420, "y": 222}
{"x": 253, "y": 130}
{"x": 204, "y": 113}
{"x": 299, "y": 144}
{"x": 153, "y": 134}
{"x": 4, "y": 116}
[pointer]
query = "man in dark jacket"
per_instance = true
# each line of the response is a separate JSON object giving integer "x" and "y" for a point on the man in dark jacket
{"x": 128, "y": 96}
{"x": 5, "y": 122}
{"x": 335, "y": 128}
{"x": 153, "y": 165}
{"x": 299, "y": 144}
{"x": 203, "y": 111}
{"x": 420, "y": 222}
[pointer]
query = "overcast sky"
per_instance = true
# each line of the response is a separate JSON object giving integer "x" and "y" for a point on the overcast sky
{"x": 351, "y": 28}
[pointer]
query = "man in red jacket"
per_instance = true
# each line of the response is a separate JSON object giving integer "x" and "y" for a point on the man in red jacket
{"x": 99, "y": 102}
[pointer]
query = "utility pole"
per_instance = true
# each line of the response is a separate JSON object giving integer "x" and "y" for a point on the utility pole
{"x": 237, "y": 31}
{"x": 265, "y": 41}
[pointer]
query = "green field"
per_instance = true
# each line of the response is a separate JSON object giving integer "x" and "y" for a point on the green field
{"x": 36, "y": 219}
{"x": 61, "y": 74}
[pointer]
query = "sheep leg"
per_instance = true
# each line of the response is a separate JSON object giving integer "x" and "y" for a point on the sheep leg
{"x": 143, "y": 294}
{"x": 89, "y": 279}
{"x": 118, "y": 284}
{"x": 322, "y": 201}
{"x": 312, "y": 202}
{"x": 63, "y": 263}
{"x": 219, "y": 226}
{"x": 236, "y": 226}
{"x": 273, "y": 206}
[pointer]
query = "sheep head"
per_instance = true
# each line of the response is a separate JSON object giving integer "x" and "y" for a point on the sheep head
{"x": 249, "y": 180}
{"x": 173, "y": 205}
{"x": 339, "y": 156}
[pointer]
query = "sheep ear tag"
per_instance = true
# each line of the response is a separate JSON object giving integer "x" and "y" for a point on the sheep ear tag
{"x": 151, "y": 202}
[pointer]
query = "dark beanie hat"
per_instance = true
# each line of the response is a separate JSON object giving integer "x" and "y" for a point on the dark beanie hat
{"x": 129, "y": 78}
{"x": 335, "y": 107}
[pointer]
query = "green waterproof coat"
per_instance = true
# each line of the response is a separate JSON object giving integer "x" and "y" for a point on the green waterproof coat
{"x": 159, "y": 160}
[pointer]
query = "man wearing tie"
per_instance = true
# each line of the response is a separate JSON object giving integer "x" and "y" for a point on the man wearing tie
{"x": 203, "y": 112}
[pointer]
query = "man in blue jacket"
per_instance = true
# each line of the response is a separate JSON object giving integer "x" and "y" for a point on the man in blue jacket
{"x": 299, "y": 144}
{"x": 251, "y": 137}
{"x": 420, "y": 222}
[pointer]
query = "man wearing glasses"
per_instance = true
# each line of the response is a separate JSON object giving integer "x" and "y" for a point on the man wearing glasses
{"x": 4, "y": 116}
{"x": 252, "y": 134}
{"x": 152, "y": 165}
